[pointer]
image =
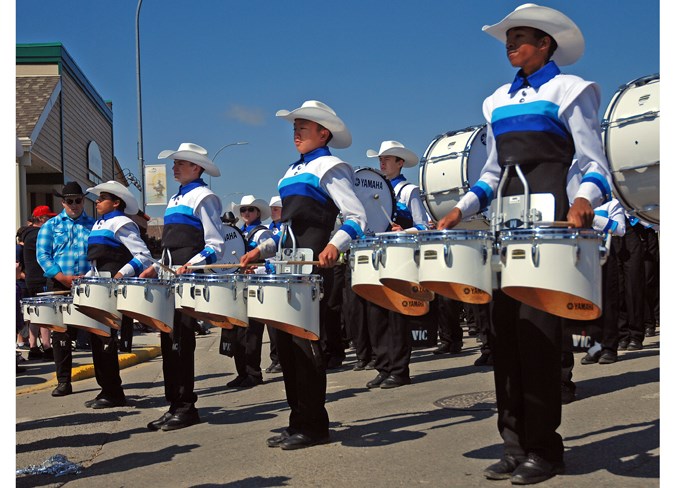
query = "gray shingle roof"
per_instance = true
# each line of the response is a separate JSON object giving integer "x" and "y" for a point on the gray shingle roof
{"x": 32, "y": 93}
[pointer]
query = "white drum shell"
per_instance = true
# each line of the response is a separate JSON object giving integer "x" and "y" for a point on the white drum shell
{"x": 632, "y": 144}
{"x": 457, "y": 264}
{"x": 44, "y": 311}
{"x": 557, "y": 271}
{"x": 96, "y": 298}
{"x": 222, "y": 298}
{"x": 287, "y": 302}
{"x": 184, "y": 293}
{"x": 399, "y": 262}
{"x": 150, "y": 301}
{"x": 73, "y": 317}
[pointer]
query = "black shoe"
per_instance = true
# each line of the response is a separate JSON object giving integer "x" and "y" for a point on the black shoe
{"x": 106, "y": 403}
{"x": 360, "y": 365}
{"x": 35, "y": 354}
{"x": 376, "y": 382}
{"x": 591, "y": 358}
{"x": 20, "y": 369}
{"x": 62, "y": 389}
{"x": 534, "y": 470}
{"x": 276, "y": 440}
{"x": 157, "y": 424}
{"x": 272, "y": 366}
{"x": 455, "y": 347}
{"x": 250, "y": 381}
{"x": 503, "y": 469}
{"x": 472, "y": 330}
{"x": 277, "y": 368}
{"x": 484, "y": 360}
{"x": 623, "y": 344}
{"x": 568, "y": 392}
{"x": 181, "y": 420}
{"x": 371, "y": 364}
{"x": 608, "y": 357}
{"x": 394, "y": 381}
{"x": 635, "y": 345}
{"x": 300, "y": 441}
{"x": 48, "y": 354}
{"x": 334, "y": 362}
{"x": 236, "y": 382}
{"x": 443, "y": 348}
{"x": 649, "y": 332}
{"x": 91, "y": 402}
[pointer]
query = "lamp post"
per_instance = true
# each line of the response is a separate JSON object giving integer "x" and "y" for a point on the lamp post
{"x": 221, "y": 149}
{"x": 138, "y": 98}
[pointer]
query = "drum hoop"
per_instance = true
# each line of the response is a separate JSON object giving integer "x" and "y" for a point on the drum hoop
{"x": 220, "y": 278}
{"x": 399, "y": 238}
{"x": 528, "y": 234}
{"x": 283, "y": 278}
{"x": 44, "y": 300}
{"x": 365, "y": 243}
{"x": 93, "y": 280}
{"x": 143, "y": 281}
{"x": 460, "y": 235}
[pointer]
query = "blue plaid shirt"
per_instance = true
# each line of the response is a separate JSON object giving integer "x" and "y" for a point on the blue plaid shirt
{"x": 62, "y": 245}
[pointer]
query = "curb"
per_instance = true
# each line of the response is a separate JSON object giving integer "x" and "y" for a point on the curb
{"x": 85, "y": 371}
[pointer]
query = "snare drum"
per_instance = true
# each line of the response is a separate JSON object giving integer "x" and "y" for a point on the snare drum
{"x": 183, "y": 287}
{"x": 457, "y": 264}
{"x": 365, "y": 282}
{"x": 288, "y": 302}
{"x": 73, "y": 317}
{"x": 631, "y": 130}
{"x": 221, "y": 299}
{"x": 44, "y": 311}
{"x": 398, "y": 256}
{"x": 95, "y": 297}
{"x": 450, "y": 165}
{"x": 558, "y": 271}
{"x": 148, "y": 300}
{"x": 378, "y": 199}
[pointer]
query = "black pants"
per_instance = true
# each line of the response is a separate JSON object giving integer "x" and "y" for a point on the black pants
{"x": 178, "y": 364}
{"x": 652, "y": 277}
{"x": 632, "y": 284}
{"x": 272, "y": 335}
{"x": 526, "y": 347}
{"x": 107, "y": 366}
{"x": 126, "y": 333}
{"x": 247, "y": 349}
{"x": 330, "y": 328}
{"x": 61, "y": 343}
{"x": 390, "y": 338}
{"x": 482, "y": 316}
{"x": 448, "y": 319}
{"x": 355, "y": 314}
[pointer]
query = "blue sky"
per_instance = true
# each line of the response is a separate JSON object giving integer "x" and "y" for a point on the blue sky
{"x": 215, "y": 72}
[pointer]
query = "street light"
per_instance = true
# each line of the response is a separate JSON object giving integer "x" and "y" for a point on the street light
{"x": 138, "y": 98}
{"x": 221, "y": 149}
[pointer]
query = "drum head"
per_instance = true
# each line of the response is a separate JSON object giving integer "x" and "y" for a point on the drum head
{"x": 451, "y": 164}
{"x": 376, "y": 194}
{"x": 632, "y": 145}
{"x": 235, "y": 247}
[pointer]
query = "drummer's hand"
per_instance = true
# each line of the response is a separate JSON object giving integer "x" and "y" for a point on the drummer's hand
{"x": 252, "y": 256}
{"x": 328, "y": 256}
{"x": 581, "y": 213}
{"x": 149, "y": 272}
{"x": 182, "y": 269}
{"x": 66, "y": 281}
{"x": 118, "y": 276}
{"x": 450, "y": 220}
{"x": 396, "y": 228}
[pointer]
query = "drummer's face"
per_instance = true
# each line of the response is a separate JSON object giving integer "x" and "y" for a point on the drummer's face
{"x": 525, "y": 50}
{"x": 185, "y": 171}
{"x": 248, "y": 215}
{"x": 391, "y": 166}
{"x": 105, "y": 203}
{"x": 309, "y": 135}
{"x": 275, "y": 213}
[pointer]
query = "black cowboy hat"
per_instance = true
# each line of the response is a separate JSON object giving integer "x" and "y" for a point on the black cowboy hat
{"x": 70, "y": 189}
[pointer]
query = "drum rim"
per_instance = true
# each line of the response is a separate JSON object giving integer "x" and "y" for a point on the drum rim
{"x": 220, "y": 277}
{"x": 45, "y": 300}
{"x": 284, "y": 278}
{"x": 126, "y": 280}
{"x": 459, "y": 234}
{"x": 362, "y": 243}
{"x": 93, "y": 279}
{"x": 398, "y": 238}
{"x": 549, "y": 233}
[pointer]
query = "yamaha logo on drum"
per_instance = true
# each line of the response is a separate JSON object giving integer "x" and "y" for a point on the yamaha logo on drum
{"x": 378, "y": 185}
{"x": 472, "y": 291}
{"x": 587, "y": 306}
{"x": 412, "y": 303}
{"x": 230, "y": 236}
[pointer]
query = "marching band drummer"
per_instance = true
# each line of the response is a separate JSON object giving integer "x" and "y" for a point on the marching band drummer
{"x": 192, "y": 235}
{"x": 540, "y": 121}
{"x": 114, "y": 246}
{"x": 249, "y": 340}
{"x": 275, "y": 227}
{"x": 313, "y": 190}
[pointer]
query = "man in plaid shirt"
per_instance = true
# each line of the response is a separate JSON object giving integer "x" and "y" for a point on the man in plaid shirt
{"x": 61, "y": 251}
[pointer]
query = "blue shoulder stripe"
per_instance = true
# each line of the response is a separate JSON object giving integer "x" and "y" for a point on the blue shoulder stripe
{"x": 182, "y": 214}
{"x": 541, "y": 116}
{"x": 209, "y": 255}
{"x": 483, "y": 192}
{"x": 304, "y": 184}
{"x": 601, "y": 183}
{"x": 353, "y": 229}
{"x": 104, "y": 237}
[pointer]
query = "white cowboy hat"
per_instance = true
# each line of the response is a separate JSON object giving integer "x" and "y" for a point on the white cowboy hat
{"x": 252, "y": 201}
{"x": 119, "y": 190}
{"x": 188, "y": 151}
{"x": 570, "y": 42}
{"x": 397, "y": 149}
{"x": 323, "y": 115}
{"x": 275, "y": 202}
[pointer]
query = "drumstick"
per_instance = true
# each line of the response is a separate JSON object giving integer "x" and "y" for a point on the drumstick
{"x": 163, "y": 266}
{"x": 387, "y": 216}
{"x": 60, "y": 292}
{"x": 223, "y": 266}
{"x": 555, "y": 223}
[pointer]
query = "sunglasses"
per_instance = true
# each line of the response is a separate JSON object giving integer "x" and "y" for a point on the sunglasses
{"x": 248, "y": 209}
{"x": 71, "y": 201}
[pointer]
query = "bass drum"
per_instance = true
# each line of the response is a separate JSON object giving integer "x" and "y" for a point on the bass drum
{"x": 631, "y": 128}
{"x": 450, "y": 165}
{"x": 378, "y": 198}
{"x": 235, "y": 248}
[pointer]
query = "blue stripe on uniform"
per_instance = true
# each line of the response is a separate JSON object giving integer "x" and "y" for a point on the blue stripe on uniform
{"x": 353, "y": 229}
{"x": 209, "y": 255}
{"x": 137, "y": 266}
{"x": 182, "y": 214}
{"x": 538, "y": 116}
{"x": 104, "y": 237}
{"x": 304, "y": 184}
{"x": 483, "y": 192}
{"x": 601, "y": 183}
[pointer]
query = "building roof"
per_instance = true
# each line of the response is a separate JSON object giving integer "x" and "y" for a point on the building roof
{"x": 32, "y": 94}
